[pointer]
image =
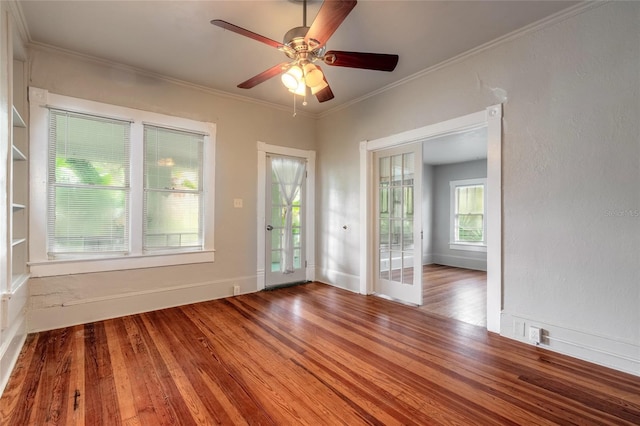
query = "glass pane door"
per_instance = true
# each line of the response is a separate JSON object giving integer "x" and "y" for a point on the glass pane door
{"x": 398, "y": 225}
{"x": 285, "y": 192}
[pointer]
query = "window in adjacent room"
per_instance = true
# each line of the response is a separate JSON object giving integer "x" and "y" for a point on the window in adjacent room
{"x": 468, "y": 214}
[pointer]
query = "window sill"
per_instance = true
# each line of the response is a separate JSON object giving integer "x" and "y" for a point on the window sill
{"x": 468, "y": 247}
{"x": 108, "y": 264}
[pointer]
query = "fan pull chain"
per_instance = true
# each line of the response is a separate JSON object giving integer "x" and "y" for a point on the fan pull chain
{"x": 294, "y": 105}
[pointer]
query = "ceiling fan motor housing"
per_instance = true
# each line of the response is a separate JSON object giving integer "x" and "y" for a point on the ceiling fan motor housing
{"x": 295, "y": 39}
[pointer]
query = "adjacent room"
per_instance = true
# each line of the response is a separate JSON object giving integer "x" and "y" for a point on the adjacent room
{"x": 319, "y": 212}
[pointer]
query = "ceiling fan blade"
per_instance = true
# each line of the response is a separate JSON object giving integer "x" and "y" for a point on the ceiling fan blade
{"x": 325, "y": 94}
{"x": 263, "y": 76}
{"x": 244, "y": 32}
{"x": 368, "y": 61}
{"x": 329, "y": 18}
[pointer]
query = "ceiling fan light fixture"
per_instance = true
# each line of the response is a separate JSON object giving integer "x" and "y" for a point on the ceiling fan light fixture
{"x": 292, "y": 78}
{"x": 312, "y": 75}
{"x": 301, "y": 90}
{"x": 318, "y": 87}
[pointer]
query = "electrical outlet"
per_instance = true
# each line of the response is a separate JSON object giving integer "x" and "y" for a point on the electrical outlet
{"x": 236, "y": 290}
{"x": 535, "y": 335}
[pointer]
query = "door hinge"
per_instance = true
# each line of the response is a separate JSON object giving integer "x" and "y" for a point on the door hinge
{"x": 422, "y": 235}
{"x": 305, "y": 263}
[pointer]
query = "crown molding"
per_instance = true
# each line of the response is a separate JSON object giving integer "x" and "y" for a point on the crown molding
{"x": 19, "y": 24}
{"x": 521, "y": 32}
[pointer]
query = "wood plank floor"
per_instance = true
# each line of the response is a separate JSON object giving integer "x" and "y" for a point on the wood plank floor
{"x": 455, "y": 293}
{"x": 311, "y": 354}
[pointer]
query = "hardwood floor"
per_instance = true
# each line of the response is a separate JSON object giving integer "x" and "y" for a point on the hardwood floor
{"x": 311, "y": 354}
{"x": 455, "y": 293}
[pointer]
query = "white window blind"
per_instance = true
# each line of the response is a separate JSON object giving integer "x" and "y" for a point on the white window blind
{"x": 88, "y": 184}
{"x": 173, "y": 193}
{"x": 469, "y": 214}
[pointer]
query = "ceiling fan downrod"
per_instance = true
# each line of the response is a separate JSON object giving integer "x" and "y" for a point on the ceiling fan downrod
{"x": 304, "y": 13}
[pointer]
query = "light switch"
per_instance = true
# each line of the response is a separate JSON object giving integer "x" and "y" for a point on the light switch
{"x": 237, "y": 203}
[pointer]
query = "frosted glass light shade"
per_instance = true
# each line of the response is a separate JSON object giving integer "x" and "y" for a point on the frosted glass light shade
{"x": 300, "y": 90}
{"x": 291, "y": 79}
{"x": 313, "y": 76}
{"x": 315, "y": 89}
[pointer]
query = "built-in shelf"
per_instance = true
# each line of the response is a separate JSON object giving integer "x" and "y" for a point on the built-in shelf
{"x": 17, "y": 241}
{"x": 17, "y": 155}
{"x": 18, "y": 207}
{"x": 16, "y": 281}
{"x": 17, "y": 120}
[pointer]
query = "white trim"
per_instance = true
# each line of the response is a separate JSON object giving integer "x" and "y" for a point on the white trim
{"x": 492, "y": 119}
{"x": 13, "y": 341}
{"x": 462, "y": 124}
{"x": 310, "y": 225}
{"x": 468, "y": 247}
{"x": 82, "y": 266}
{"x": 40, "y": 264}
{"x": 339, "y": 279}
{"x": 366, "y": 217}
{"x": 494, "y": 217}
{"x": 619, "y": 354}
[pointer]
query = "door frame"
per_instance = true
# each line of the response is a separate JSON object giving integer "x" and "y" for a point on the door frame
{"x": 263, "y": 150}
{"x": 491, "y": 118}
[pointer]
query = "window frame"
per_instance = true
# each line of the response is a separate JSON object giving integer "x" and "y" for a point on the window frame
{"x": 480, "y": 246}
{"x": 40, "y": 265}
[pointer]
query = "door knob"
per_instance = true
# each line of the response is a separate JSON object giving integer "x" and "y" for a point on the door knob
{"x": 269, "y": 227}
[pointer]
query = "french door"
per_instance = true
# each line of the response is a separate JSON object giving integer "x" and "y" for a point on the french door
{"x": 398, "y": 213}
{"x": 284, "y": 218}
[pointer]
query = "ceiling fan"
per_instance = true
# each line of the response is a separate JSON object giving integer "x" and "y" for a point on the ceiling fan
{"x": 307, "y": 45}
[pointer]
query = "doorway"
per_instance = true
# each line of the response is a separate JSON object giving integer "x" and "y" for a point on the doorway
{"x": 454, "y": 225}
{"x": 491, "y": 118}
{"x": 275, "y": 265}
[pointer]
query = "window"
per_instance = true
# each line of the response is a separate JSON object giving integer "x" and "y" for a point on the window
{"x": 172, "y": 189}
{"x": 468, "y": 214}
{"x": 116, "y": 188}
{"x": 88, "y": 185}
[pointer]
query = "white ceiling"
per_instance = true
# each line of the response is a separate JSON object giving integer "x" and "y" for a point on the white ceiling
{"x": 174, "y": 37}
{"x": 455, "y": 148}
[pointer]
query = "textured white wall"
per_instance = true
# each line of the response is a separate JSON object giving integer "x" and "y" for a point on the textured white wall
{"x": 571, "y": 173}
{"x": 239, "y": 126}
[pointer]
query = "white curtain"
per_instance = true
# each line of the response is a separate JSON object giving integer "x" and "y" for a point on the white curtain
{"x": 289, "y": 172}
